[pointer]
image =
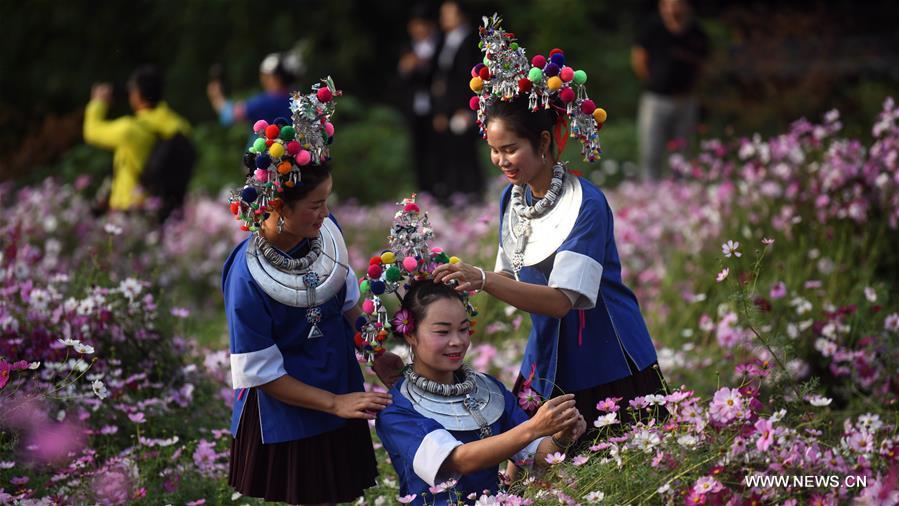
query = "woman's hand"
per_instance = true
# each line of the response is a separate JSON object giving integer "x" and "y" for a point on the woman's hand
{"x": 468, "y": 276}
{"x": 389, "y": 368}
{"x": 364, "y": 405}
{"x": 555, "y": 415}
{"x": 573, "y": 432}
{"x": 102, "y": 92}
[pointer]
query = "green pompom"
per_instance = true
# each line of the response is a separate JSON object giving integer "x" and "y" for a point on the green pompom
{"x": 363, "y": 287}
{"x": 535, "y": 75}
{"x": 441, "y": 258}
{"x": 481, "y": 45}
{"x": 394, "y": 274}
{"x": 580, "y": 77}
{"x": 287, "y": 133}
{"x": 513, "y": 46}
{"x": 259, "y": 145}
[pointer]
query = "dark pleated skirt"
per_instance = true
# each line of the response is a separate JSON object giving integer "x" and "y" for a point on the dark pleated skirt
{"x": 645, "y": 382}
{"x": 333, "y": 467}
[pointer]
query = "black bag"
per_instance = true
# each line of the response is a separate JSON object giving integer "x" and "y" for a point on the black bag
{"x": 168, "y": 170}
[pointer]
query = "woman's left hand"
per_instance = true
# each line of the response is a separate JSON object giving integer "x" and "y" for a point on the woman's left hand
{"x": 468, "y": 276}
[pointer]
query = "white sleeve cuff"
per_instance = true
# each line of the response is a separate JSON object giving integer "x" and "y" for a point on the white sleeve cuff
{"x": 503, "y": 262}
{"x": 578, "y": 273}
{"x": 352, "y": 291}
{"x": 256, "y": 367}
{"x": 525, "y": 457}
{"x": 431, "y": 453}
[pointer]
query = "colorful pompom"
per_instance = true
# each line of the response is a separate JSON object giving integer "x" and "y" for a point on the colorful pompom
{"x": 410, "y": 263}
{"x": 394, "y": 274}
{"x": 261, "y": 175}
{"x": 600, "y": 115}
{"x": 388, "y": 257}
{"x": 538, "y": 61}
{"x": 272, "y": 131}
{"x": 411, "y": 207}
{"x": 557, "y": 58}
{"x": 259, "y": 145}
{"x": 375, "y": 260}
{"x": 324, "y": 95}
{"x": 249, "y": 194}
{"x": 554, "y": 83}
{"x": 377, "y": 287}
{"x": 588, "y": 106}
{"x": 580, "y": 77}
{"x": 566, "y": 95}
{"x": 235, "y": 207}
{"x": 476, "y": 84}
{"x": 551, "y": 69}
{"x": 535, "y": 75}
{"x": 374, "y": 271}
{"x": 263, "y": 161}
{"x": 484, "y": 74}
{"x": 249, "y": 160}
{"x": 556, "y": 51}
{"x": 474, "y": 103}
{"x": 260, "y": 126}
{"x": 303, "y": 157}
{"x": 284, "y": 167}
{"x": 524, "y": 85}
{"x": 454, "y": 260}
{"x": 329, "y": 129}
{"x": 363, "y": 287}
{"x": 276, "y": 150}
{"x": 476, "y": 70}
{"x": 288, "y": 133}
{"x": 293, "y": 147}
{"x": 368, "y": 306}
{"x": 567, "y": 74}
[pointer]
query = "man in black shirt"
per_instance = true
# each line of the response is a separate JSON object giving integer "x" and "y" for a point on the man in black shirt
{"x": 667, "y": 57}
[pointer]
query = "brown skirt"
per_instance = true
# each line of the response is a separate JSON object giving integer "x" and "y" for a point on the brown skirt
{"x": 333, "y": 467}
{"x": 645, "y": 382}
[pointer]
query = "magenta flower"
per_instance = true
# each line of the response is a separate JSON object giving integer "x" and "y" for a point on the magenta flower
{"x": 778, "y": 291}
{"x": 403, "y": 322}
{"x": 555, "y": 458}
{"x": 707, "y": 485}
{"x": 528, "y": 399}
{"x": 765, "y": 430}
{"x": 609, "y": 404}
{"x": 727, "y": 404}
{"x": 4, "y": 373}
{"x": 406, "y": 499}
{"x": 579, "y": 460}
{"x": 137, "y": 417}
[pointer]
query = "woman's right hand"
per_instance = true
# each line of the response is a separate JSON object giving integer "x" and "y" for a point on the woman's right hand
{"x": 364, "y": 405}
{"x": 554, "y": 415}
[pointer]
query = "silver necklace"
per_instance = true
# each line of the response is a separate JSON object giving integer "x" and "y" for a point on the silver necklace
{"x": 285, "y": 263}
{"x": 466, "y": 388}
{"x": 526, "y": 213}
{"x": 297, "y": 266}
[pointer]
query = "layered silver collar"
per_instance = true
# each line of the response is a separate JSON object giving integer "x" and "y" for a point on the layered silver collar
{"x": 473, "y": 411}
{"x": 542, "y": 235}
{"x": 331, "y": 268}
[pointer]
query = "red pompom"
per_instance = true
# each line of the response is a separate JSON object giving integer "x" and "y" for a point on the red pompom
{"x": 524, "y": 85}
{"x": 272, "y": 131}
{"x": 412, "y": 208}
{"x": 293, "y": 147}
{"x": 538, "y": 61}
{"x": 474, "y": 103}
{"x": 324, "y": 95}
{"x": 587, "y": 106}
{"x": 374, "y": 260}
{"x": 269, "y": 142}
{"x": 556, "y": 50}
{"x": 234, "y": 207}
{"x": 484, "y": 74}
{"x": 245, "y": 228}
{"x": 357, "y": 339}
{"x": 374, "y": 271}
{"x": 566, "y": 95}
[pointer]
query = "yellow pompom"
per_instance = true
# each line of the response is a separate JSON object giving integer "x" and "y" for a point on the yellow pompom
{"x": 476, "y": 84}
{"x": 388, "y": 257}
{"x": 454, "y": 260}
{"x": 554, "y": 83}
{"x": 276, "y": 150}
{"x": 599, "y": 114}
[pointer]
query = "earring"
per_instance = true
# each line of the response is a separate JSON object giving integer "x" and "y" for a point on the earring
{"x": 280, "y": 224}
{"x": 543, "y": 156}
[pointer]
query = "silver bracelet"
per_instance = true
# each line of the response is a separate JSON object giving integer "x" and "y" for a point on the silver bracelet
{"x": 483, "y": 278}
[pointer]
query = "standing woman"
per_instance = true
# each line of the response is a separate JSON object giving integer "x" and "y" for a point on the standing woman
{"x": 300, "y": 411}
{"x": 557, "y": 257}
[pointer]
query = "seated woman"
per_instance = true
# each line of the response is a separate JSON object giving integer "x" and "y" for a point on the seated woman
{"x": 449, "y": 422}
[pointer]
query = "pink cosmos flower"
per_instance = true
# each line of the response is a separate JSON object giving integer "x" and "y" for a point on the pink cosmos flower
{"x": 198, "y": 502}
{"x": 403, "y": 322}
{"x": 707, "y": 485}
{"x": 726, "y": 405}
{"x": 767, "y": 241}
{"x": 555, "y": 458}
{"x": 731, "y": 248}
{"x": 765, "y": 430}
{"x": 778, "y": 291}
{"x": 891, "y": 322}
{"x": 609, "y": 404}
{"x": 406, "y": 499}
{"x": 528, "y": 399}
{"x": 579, "y": 460}
{"x": 4, "y": 373}
{"x": 722, "y": 275}
{"x": 137, "y": 417}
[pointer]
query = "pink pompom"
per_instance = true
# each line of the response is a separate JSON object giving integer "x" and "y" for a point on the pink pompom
{"x": 293, "y": 147}
{"x": 324, "y": 95}
{"x": 438, "y": 250}
{"x": 374, "y": 271}
{"x": 566, "y": 95}
{"x": 587, "y": 106}
{"x": 538, "y": 61}
{"x": 261, "y": 175}
{"x": 303, "y": 157}
{"x": 474, "y": 103}
{"x": 368, "y": 307}
{"x": 410, "y": 263}
{"x": 260, "y": 126}
{"x": 566, "y": 74}
{"x": 412, "y": 208}
{"x": 329, "y": 129}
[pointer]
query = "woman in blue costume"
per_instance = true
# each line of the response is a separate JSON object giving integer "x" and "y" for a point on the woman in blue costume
{"x": 450, "y": 427}
{"x": 300, "y": 411}
{"x": 557, "y": 257}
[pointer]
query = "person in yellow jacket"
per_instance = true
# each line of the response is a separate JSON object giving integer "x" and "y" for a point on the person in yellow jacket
{"x": 131, "y": 138}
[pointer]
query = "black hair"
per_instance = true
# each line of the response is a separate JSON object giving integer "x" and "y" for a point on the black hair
{"x": 149, "y": 83}
{"x": 423, "y": 293}
{"x": 285, "y": 75}
{"x": 312, "y": 176}
{"x": 518, "y": 117}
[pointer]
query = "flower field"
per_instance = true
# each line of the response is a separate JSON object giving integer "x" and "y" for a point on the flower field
{"x": 765, "y": 268}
